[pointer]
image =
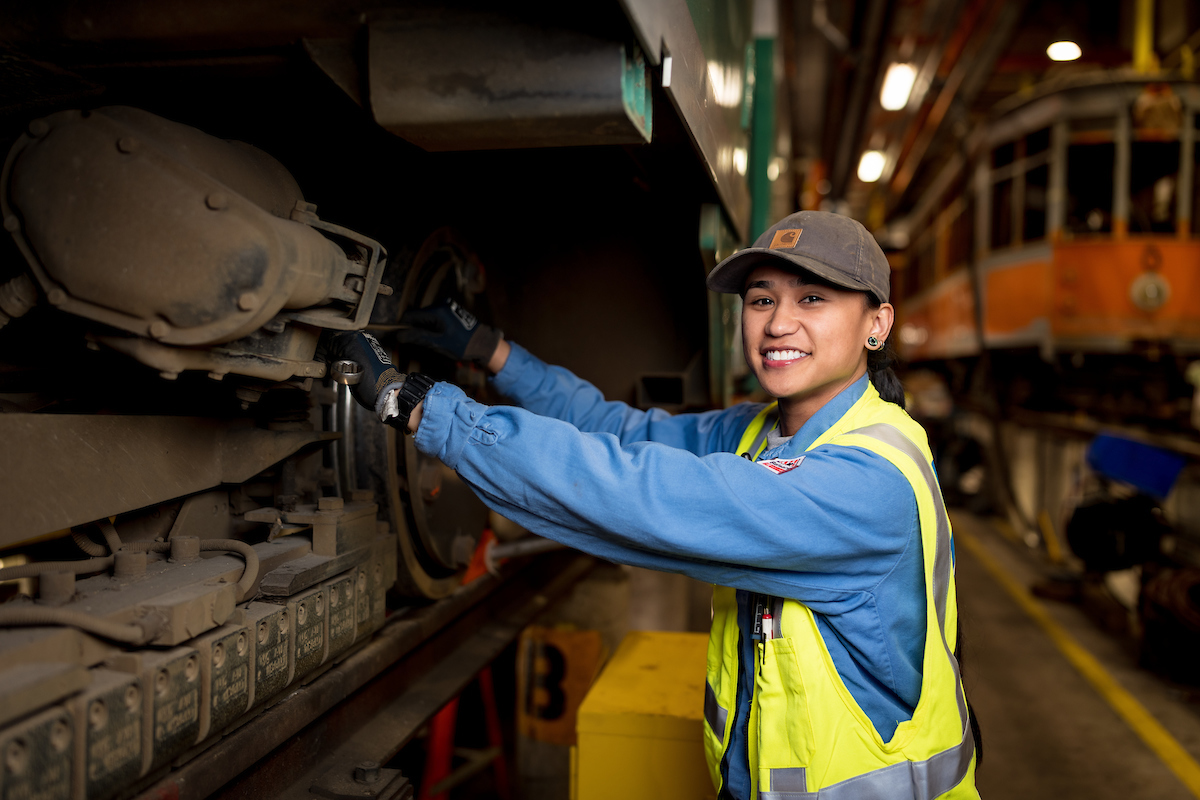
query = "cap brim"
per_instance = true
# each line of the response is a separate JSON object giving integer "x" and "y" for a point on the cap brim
{"x": 729, "y": 277}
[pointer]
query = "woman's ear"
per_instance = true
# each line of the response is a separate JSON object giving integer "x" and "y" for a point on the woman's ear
{"x": 881, "y": 321}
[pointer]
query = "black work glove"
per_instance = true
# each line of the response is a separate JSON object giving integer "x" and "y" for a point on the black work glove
{"x": 451, "y": 330}
{"x": 377, "y": 379}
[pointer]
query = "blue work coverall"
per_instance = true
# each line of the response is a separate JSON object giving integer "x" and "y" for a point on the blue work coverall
{"x": 838, "y": 533}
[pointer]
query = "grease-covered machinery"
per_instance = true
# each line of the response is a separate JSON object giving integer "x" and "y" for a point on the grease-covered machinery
{"x": 207, "y": 546}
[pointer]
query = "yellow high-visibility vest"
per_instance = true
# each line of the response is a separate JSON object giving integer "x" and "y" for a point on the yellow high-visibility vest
{"x": 808, "y": 738}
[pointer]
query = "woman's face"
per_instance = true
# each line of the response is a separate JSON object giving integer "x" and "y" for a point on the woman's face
{"x": 806, "y": 341}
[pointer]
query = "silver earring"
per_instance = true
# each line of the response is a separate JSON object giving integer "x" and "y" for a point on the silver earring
{"x": 872, "y": 343}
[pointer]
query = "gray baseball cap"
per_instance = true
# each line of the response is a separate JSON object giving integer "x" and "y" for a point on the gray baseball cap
{"x": 830, "y": 246}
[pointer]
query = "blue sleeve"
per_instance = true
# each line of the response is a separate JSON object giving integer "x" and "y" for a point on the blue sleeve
{"x": 556, "y": 392}
{"x": 821, "y": 533}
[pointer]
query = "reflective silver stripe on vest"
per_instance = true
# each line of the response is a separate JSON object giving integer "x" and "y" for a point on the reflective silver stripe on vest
{"x": 923, "y": 780}
{"x": 713, "y": 713}
{"x": 786, "y": 782}
{"x": 768, "y": 426}
{"x": 943, "y": 771}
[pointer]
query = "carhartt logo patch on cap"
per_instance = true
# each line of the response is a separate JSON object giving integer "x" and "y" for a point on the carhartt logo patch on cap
{"x": 785, "y": 238}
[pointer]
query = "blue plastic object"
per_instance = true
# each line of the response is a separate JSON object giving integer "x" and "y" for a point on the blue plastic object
{"x": 1151, "y": 469}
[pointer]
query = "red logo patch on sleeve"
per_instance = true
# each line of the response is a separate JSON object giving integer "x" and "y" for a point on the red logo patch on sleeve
{"x": 781, "y": 465}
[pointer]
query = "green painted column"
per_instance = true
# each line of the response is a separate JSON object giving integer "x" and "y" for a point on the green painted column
{"x": 762, "y": 135}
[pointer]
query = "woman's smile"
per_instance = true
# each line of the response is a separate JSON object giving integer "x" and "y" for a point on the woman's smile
{"x": 805, "y": 340}
{"x": 778, "y": 358}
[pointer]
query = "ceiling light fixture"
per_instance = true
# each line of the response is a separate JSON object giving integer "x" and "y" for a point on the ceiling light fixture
{"x": 1063, "y": 51}
{"x": 897, "y": 86}
{"x": 870, "y": 166}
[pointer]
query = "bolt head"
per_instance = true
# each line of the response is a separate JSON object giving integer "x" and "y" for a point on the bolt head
{"x": 367, "y": 772}
{"x": 217, "y": 201}
{"x": 39, "y": 128}
{"x": 159, "y": 329}
{"x": 247, "y": 301}
{"x": 11, "y": 223}
{"x": 56, "y": 297}
{"x": 128, "y": 144}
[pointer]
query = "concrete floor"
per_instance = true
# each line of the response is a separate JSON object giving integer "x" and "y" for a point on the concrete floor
{"x": 1047, "y": 733}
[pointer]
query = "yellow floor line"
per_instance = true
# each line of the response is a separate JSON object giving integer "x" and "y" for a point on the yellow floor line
{"x": 1143, "y": 723}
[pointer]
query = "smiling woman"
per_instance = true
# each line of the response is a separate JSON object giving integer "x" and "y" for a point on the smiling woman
{"x": 831, "y": 662}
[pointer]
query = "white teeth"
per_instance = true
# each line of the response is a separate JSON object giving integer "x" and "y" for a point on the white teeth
{"x": 783, "y": 355}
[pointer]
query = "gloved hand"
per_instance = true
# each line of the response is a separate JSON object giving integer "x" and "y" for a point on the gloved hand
{"x": 377, "y": 381}
{"x": 451, "y": 330}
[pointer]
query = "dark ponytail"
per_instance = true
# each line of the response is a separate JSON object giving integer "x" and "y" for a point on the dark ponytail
{"x": 879, "y": 366}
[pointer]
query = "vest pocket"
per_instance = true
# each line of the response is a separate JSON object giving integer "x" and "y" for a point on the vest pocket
{"x": 784, "y": 724}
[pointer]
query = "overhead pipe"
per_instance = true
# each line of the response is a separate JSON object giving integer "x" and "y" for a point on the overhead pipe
{"x": 860, "y": 94}
{"x": 832, "y": 33}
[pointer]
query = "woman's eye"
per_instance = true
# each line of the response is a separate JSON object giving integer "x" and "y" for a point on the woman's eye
{"x": 761, "y": 301}
{"x": 812, "y": 298}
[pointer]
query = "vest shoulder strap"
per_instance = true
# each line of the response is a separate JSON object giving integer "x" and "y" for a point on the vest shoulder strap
{"x": 754, "y": 440}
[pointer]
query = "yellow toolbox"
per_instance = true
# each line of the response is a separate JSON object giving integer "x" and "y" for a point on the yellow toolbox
{"x": 639, "y": 731}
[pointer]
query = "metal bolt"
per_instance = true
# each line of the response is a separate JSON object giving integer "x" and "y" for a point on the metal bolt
{"x": 263, "y": 630}
{"x": 330, "y": 504}
{"x": 128, "y": 144}
{"x": 158, "y": 329}
{"x": 241, "y": 644}
{"x": 217, "y": 201}
{"x": 16, "y": 758}
{"x": 12, "y": 224}
{"x": 133, "y": 697}
{"x": 247, "y": 301}
{"x": 219, "y": 655}
{"x": 301, "y": 614}
{"x": 56, "y": 297}
{"x": 60, "y": 735}
{"x": 56, "y": 588}
{"x": 367, "y": 772}
{"x": 98, "y": 714}
{"x": 185, "y": 549}
{"x": 39, "y": 128}
{"x": 129, "y": 564}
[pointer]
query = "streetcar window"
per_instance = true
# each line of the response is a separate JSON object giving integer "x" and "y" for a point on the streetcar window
{"x": 1002, "y": 214}
{"x": 1090, "y": 187}
{"x": 1037, "y": 180}
{"x": 1003, "y": 155}
{"x": 1037, "y": 142}
{"x": 1153, "y": 186}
